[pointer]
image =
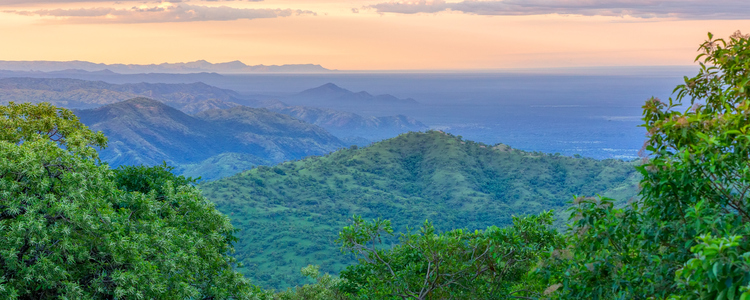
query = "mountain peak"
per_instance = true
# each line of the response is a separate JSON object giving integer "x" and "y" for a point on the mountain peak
{"x": 331, "y": 86}
{"x": 328, "y": 90}
{"x": 181, "y": 67}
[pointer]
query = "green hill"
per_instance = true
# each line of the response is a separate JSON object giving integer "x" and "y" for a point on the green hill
{"x": 145, "y": 131}
{"x": 289, "y": 215}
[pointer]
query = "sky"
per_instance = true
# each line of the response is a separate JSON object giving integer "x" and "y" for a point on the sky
{"x": 370, "y": 35}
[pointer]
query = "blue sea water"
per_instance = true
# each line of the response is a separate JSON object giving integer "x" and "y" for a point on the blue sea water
{"x": 592, "y": 112}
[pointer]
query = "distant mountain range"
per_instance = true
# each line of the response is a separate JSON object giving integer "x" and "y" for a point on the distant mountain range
{"x": 349, "y": 125}
{"x": 74, "y": 93}
{"x": 145, "y": 131}
{"x": 189, "y": 67}
{"x": 197, "y": 97}
{"x": 332, "y": 96}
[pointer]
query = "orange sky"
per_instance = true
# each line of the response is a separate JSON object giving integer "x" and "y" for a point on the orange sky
{"x": 331, "y": 34}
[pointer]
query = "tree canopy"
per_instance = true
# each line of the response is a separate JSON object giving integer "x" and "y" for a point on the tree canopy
{"x": 688, "y": 236}
{"x": 67, "y": 230}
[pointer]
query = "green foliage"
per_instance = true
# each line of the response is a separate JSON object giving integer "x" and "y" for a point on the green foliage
{"x": 22, "y": 122}
{"x": 326, "y": 287}
{"x": 67, "y": 232}
{"x": 290, "y": 214}
{"x": 602, "y": 258}
{"x": 688, "y": 237}
{"x": 458, "y": 264}
{"x": 145, "y": 179}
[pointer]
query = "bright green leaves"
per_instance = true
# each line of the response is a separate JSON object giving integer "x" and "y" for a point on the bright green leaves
{"x": 602, "y": 259}
{"x": 459, "y": 264}
{"x": 23, "y": 122}
{"x": 144, "y": 179}
{"x": 687, "y": 236}
{"x": 326, "y": 287}
{"x": 719, "y": 270}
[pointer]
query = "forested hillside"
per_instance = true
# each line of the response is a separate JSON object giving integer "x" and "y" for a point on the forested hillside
{"x": 290, "y": 214}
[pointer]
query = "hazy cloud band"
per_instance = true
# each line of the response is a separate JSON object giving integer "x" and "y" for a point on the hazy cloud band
{"x": 683, "y": 9}
{"x": 160, "y": 14}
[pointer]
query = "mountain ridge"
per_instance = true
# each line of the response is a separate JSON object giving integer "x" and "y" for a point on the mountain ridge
{"x": 196, "y": 97}
{"x": 348, "y": 125}
{"x": 76, "y": 93}
{"x": 146, "y": 131}
{"x": 185, "y": 67}
{"x": 331, "y": 95}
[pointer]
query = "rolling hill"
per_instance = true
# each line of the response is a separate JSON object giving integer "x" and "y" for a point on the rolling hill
{"x": 289, "y": 215}
{"x": 145, "y": 131}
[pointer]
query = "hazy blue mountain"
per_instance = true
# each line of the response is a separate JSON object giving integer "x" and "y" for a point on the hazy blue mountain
{"x": 75, "y": 93}
{"x": 188, "y": 67}
{"x": 332, "y": 96}
{"x": 205, "y": 105}
{"x": 347, "y": 125}
{"x": 197, "y": 97}
{"x": 145, "y": 131}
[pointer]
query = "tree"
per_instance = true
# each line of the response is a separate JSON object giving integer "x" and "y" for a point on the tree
{"x": 21, "y": 122}
{"x": 67, "y": 231}
{"x": 688, "y": 236}
{"x": 458, "y": 264}
{"x": 325, "y": 287}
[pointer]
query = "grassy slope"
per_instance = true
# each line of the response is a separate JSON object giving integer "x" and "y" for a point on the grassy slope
{"x": 289, "y": 215}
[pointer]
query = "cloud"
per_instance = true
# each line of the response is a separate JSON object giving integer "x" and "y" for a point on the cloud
{"x": 165, "y": 12}
{"x": 682, "y": 9}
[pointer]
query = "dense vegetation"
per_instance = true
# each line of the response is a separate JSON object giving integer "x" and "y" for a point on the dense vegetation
{"x": 289, "y": 215}
{"x": 688, "y": 236}
{"x": 70, "y": 228}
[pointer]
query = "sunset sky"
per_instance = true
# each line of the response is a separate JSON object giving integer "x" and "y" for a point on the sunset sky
{"x": 369, "y": 35}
